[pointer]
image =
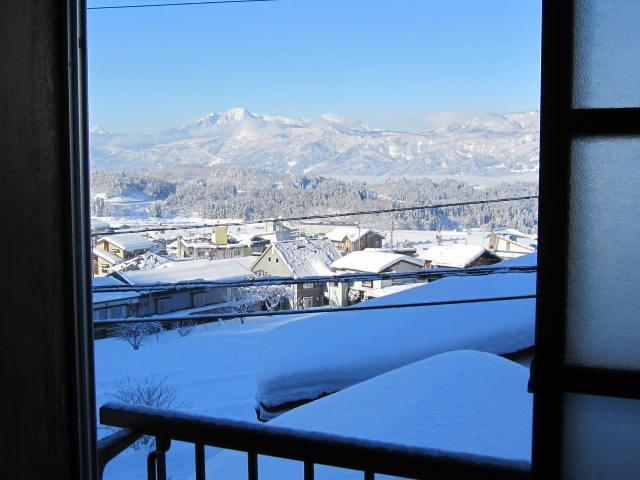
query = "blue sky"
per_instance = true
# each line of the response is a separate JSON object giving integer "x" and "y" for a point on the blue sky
{"x": 392, "y": 63}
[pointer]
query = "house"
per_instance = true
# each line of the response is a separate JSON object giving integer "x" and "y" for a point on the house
{"x": 146, "y": 261}
{"x": 368, "y": 261}
{"x": 353, "y": 238}
{"x": 181, "y": 298}
{"x": 280, "y": 230}
{"x": 511, "y": 243}
{"x": 112, "y": 250}
{"x": 112, "y": 305}
{"x": 103, "y": 262}
{"x": 218, "y": 245}
{"x": 305, "y": 257}
{"x": 457, "y": 256}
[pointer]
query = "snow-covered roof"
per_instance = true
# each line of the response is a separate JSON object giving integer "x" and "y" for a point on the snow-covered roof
{"x": 307, "y": 257}
{"x": 460, "y": 403}
{"x": 146, "y": 261}
{"x": 352, "y": 233}
{"x": 106, "y": 255}
{"x": 374, "y": 261}
{"x": 364, "y": 344}
{"x": 129, "y": 241}
{"x": 186, "y": 270}
{"x": 103, "y": 297}
{"x": 514, "y": 232}
{"x": 455, "y": 256}
{"x": 390, "y": 290}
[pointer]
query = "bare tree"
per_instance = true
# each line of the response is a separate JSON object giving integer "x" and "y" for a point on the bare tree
{"x": 149, "y": 392}
{"x": 184, "y": 327}
{"x": 272, "y": 296}
{"x": 135, "y": 333}
{"x": 241, "y": 300}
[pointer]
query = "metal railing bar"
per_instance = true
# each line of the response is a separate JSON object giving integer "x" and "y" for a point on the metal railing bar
{"x": 151, "y": 466}
{"x": 162, "y": 446}
{"x": 309, "y": 470}
{"x": 426, "y": 273}
{"x": 326, "y": 449}
{"x": 252, "y": 465}
{"x": 112, "y": 445}
{"x": 200, "y": 465}
{"x": 308, "y": 311}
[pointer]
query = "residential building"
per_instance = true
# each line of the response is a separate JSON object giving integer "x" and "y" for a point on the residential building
{"x": 127, "y": 245}
{"x": 113, "y": 305}
{"x": 457, "y": 256}
{"x": 218, "y": 245}
{"x": 511, "y": 243}
{"x": 368, "y": 261}
{"x": 353, "y": 238}
{"x": 305, "y": 257}
{"x": 187, "y": 299}
{"x": 103, "y": 262}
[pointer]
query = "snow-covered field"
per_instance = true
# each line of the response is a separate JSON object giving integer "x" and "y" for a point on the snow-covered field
{"x": 213, "y": 370}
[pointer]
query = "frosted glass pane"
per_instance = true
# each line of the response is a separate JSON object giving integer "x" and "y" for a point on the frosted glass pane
{"x": 607, "y": 62}
{"x": 603, "y": 304}
{"x": 601, "y": 438}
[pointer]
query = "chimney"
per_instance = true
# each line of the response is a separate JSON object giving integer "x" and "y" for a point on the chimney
{"x": 219, "y": 235}
{"x": 179, "y": 242}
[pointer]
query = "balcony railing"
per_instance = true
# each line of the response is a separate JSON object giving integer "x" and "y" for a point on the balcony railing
{"x": 311, "y": 448}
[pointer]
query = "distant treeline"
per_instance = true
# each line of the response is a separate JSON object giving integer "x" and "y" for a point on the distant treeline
{"x": 220, "y": 192}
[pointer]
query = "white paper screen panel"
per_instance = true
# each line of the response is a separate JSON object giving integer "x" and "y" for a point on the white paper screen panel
{"x": 607, "y": 57}
{"x": 601, "y": 438}
{"x": 603, "y": 298}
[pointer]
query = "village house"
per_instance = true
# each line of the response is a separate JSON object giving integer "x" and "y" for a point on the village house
{"x": 114, "y": 249}
{"x": 353, "y": 238}
{"x": 104, "y": 261}
{"x": 187, "y": 299}
{"x": 457, "y": 256}
{"x": 368, "y": 261}
{"x": 113, "y": 305}
{"x": 218, "y": 245}
{"x": 510, "y": 243}
{"x": 305, "y": 257}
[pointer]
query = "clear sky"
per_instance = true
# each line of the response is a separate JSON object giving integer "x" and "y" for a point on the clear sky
{"x": 391, "y": 63}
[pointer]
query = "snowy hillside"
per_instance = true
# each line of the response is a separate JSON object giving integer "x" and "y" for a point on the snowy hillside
{"x": 486, "y": 145}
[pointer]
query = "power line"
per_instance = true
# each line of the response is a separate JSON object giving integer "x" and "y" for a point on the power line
{"x": 353, "y": 308}
{"x": 321, "y": 216}
{"x": 348, "y": 277}
{"x": 181, "y": 4}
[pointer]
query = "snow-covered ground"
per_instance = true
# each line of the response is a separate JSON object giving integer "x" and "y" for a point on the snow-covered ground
{"x": 213, "y": 370}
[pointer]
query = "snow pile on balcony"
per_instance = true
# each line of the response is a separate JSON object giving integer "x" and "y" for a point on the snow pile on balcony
{"x": 324, "y": 353}
{"x": 462, "y": 402}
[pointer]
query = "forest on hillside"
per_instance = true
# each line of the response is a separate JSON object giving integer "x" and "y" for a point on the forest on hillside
{"x": 251, "y": 194}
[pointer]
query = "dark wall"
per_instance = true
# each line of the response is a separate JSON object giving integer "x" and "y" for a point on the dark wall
{"x": 39, "y": 402}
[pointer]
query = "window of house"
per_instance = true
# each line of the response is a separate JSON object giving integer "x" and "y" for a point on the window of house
{"x": 308, "y": 285}
{"x": 198, "y": 299}
{"x": 163, "y": 305}
{"x": 367, "y": 283}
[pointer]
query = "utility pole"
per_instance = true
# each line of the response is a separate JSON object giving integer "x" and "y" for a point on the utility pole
{"x": 392, "y": 226}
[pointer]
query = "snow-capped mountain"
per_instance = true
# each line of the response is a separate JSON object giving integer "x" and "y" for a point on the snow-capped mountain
{"x": 486, "y": 144}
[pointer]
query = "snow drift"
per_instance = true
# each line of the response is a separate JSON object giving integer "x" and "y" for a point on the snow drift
{"x": 325, "y": 353}
{"x": 462, "y": 402}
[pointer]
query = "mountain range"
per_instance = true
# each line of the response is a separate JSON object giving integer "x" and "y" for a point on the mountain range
{"x": 487, "y": 144}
